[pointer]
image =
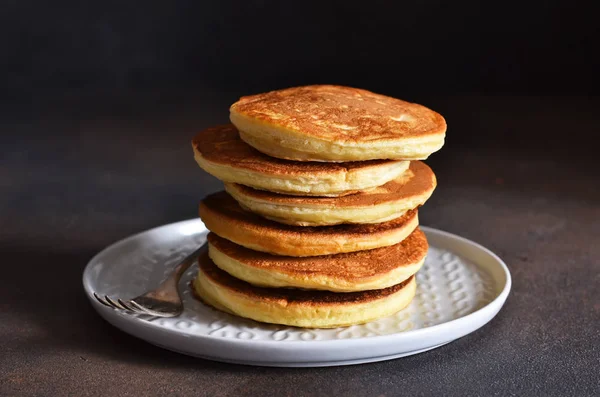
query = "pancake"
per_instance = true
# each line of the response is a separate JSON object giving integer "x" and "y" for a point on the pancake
{"x": 380, "y": 204}
{"x": 223, "y": 215}
{"x": 221, "y": 153}
{"x": 334, "y": 123}
{"x": 356, "y": 271}
{"x": 300, "y": 308}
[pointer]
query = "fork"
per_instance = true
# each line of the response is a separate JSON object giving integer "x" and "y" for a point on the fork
{"x": 164, "y": 301}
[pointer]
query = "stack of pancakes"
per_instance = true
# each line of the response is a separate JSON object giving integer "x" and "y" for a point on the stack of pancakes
{"x": 317, "y": 226}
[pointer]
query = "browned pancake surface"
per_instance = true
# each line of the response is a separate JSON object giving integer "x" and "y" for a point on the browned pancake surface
{"x": 290, "y": 295}
{"x": 222, "y": 145}
{"x": 341, "y": 114}
{"x": 224, "y": 207}
{"x": 416, "y": 181}
{"x": 349, "y": 266}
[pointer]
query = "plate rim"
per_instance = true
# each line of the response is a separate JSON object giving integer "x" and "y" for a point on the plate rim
{"x": 499, "y": 300}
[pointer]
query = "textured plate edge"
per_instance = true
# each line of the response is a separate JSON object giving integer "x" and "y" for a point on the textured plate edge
{"x": 472, "y": 321}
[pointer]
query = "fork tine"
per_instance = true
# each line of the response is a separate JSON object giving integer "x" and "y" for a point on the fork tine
{"x": 130, "y": 306}
{"x": 101, "y": 300}
{"x": 137, "y": 308}
{"x": 140, "y": 308}
{"x": 125, "y": 305}
{"x": 112, "y": 302}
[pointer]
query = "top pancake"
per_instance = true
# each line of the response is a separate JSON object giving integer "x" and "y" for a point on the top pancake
{"x": 357, "y": 122}
{"x": 220, "y": 152}
{"x": 342, "y": 114}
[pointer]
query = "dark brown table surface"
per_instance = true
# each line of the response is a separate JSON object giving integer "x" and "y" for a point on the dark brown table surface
{"x": 518, "y": 175}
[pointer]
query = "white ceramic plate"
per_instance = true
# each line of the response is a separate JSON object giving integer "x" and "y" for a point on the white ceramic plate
{"x": 460, "y": 288}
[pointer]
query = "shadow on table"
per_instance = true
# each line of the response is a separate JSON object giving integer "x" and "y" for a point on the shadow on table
{"x": 45, "y": 292}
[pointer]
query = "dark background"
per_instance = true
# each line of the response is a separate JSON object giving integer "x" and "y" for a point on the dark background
{"x": 98, "y": 103}
{"x": 106, "y": 60}
{"x": 403, "y": 48}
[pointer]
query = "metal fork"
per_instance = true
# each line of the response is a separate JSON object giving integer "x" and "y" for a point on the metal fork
{"x": 163, "y": 301}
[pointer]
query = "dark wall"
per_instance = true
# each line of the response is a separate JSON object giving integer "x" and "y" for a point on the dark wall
{"x": 394, "y": 47}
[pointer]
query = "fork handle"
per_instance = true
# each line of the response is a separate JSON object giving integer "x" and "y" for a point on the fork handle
{"x": 168, "y": 290}
{"x": 187, "y": 262}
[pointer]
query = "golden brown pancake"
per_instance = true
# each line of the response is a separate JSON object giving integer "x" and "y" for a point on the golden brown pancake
{"x": 334, "y": 123}
{"x": 223, "y": 215}
{"x": 220, "y": 152}
{"x": 410, "y": 190}
{"x": 301, "y": 308}
{"x": 356, "y": 271}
